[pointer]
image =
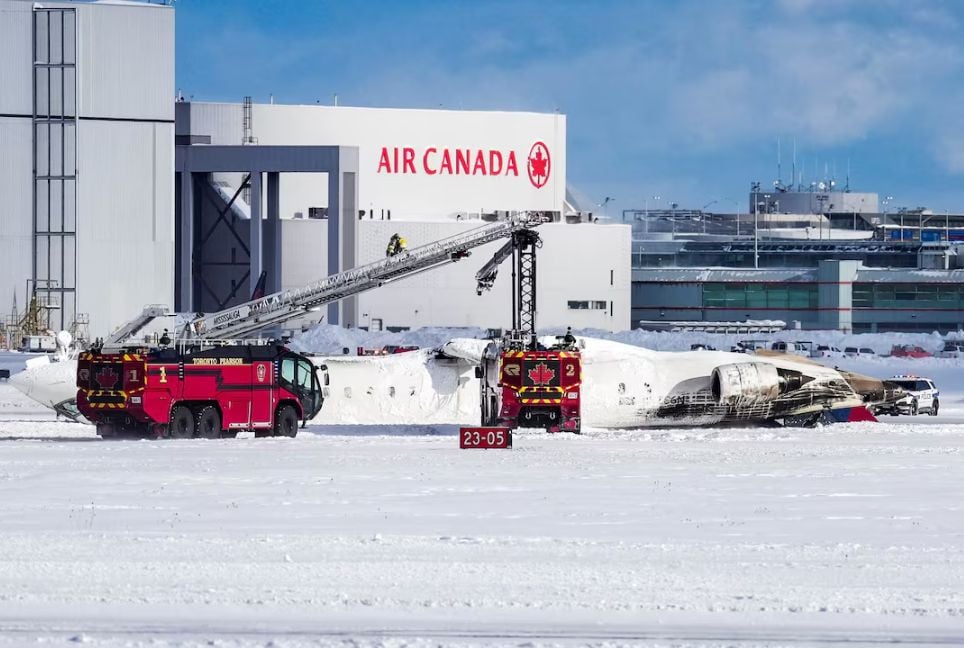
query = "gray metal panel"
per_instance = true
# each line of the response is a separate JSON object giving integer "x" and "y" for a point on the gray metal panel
{"x": 16, "y": 158}
{"x": 16, "y": 62}
{"x": 125, "y": 249}
{"x": 126, "y": 61}
{"x": 16, "y": 213}
{"x": 882, "y": 275}
{"x": 294, "y": 159}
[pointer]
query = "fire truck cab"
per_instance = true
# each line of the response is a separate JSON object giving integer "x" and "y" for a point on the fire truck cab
{"x": 210, "y": 393}
{"x": 536, "y": 387}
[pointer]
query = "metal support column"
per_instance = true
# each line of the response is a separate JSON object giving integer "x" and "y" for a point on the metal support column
{"x": 186, "y": 243}
{"x": 272, "y": 235}
{"x": 334, "y": 235}
{"x": 255, "y": 240}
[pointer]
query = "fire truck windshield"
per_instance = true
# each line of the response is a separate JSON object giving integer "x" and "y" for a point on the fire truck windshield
{"x": 299, "y": 375}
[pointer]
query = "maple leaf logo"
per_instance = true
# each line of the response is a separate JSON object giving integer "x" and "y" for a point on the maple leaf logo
{"x": 539, "y": 164}
{"x": 106, "y": 378}
{"x": 541, "y": 374}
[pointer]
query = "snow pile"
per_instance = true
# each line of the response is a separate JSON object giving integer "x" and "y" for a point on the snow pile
{"x": 327, "y": 339}
{"x": 406, "y": 388}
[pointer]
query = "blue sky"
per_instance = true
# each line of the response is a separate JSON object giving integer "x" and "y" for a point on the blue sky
{"x": 684, "y": 100}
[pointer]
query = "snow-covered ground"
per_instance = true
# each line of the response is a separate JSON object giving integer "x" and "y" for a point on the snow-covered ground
{"x": 391, "y": 536}
{"x": 377, "y": 535}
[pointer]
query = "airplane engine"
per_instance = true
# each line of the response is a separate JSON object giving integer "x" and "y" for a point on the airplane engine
{"x": 753, "y": 381}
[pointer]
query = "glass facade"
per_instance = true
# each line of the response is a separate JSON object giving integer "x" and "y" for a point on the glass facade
{"x": 759, "y": 295}
{"x": 786, "y": 254}
{"x": 908, "y": 296}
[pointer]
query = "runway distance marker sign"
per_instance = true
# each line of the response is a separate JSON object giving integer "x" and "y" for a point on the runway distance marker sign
{"x": 485, "y": 438}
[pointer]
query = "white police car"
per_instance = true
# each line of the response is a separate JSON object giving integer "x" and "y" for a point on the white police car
{"x": 922, "y": 396}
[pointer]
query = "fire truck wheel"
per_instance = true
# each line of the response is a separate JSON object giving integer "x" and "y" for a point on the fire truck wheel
{"x": 286, "y": 423}
{"x": 182, "y": 422}
{"x": 209, "y": 423}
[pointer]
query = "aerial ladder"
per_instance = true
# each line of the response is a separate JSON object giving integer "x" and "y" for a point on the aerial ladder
{"x": 521, "y": 248}
{"x": 523, "y": 382}
{"x": 248, "y": 318}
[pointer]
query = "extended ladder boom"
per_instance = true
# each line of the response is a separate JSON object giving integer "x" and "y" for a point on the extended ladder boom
{"x": 251, "y": 316}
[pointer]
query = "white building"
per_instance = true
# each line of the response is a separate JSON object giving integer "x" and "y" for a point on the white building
{"x": 426, "y": 174}
{"x": 91, "y": 228}
{"x": 415, "y": 164}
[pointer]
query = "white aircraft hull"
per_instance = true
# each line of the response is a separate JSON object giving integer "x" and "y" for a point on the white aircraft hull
{"x": 624, "y": 386}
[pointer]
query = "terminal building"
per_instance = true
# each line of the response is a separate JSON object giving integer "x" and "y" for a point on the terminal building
{"x": 853, "y": 268}
{"x": 118, "y": 195}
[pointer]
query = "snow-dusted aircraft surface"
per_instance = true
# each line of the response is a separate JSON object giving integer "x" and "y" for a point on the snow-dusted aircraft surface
{"x": 624, "y": 386}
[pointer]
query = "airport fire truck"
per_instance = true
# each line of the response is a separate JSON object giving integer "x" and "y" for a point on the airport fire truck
{"x": 525, "y": 382}
{"x": 209, "y": 393}
{"x": 205, "y": 382}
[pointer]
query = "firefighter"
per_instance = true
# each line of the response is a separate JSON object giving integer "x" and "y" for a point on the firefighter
{"x": 396, "y": 245}
{"x": 570, "y": 339}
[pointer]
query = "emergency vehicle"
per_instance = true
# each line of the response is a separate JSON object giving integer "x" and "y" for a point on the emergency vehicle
{"x": 539, "y": 388}
{"x": 210, "y": 393}
{"x": 922, "y": 395}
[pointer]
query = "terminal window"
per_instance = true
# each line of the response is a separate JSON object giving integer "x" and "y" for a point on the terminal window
{"x": 759, "y": 295}
{"x": 881, "y": 295}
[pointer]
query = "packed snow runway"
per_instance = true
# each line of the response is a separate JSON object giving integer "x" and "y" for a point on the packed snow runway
{"x": 369, "y": 535}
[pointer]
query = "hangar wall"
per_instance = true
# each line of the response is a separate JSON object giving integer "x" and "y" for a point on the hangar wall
{"x": 103, "y": 234}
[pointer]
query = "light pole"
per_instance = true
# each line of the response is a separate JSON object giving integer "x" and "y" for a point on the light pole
{"x": 886, "y": 201}
{"x": 756, "y": 234}
{"x": 703, "y": 213}
{"x": 947, "y": 229}
{"x": 766, "y": 207}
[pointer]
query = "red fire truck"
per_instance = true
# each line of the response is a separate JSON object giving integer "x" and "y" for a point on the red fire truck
{"x": 538, "y": 388}
{"x": 210, "y": 393}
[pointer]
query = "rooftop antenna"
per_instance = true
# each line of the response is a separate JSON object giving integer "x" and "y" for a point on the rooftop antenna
{"x": 794, "y": 177}
{"x": 779, "y": 172}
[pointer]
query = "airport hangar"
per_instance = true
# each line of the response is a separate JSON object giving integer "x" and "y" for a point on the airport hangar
{"x": 105, "y": 212}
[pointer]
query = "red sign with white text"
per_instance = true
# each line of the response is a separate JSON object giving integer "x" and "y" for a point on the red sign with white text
{"x": 485, "y": 438}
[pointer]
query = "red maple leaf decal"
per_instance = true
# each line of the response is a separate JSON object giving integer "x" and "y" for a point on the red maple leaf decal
{"x": 541, "y": 374}
{"x": 106, "y": 378}
{"x": 539, "y": 165}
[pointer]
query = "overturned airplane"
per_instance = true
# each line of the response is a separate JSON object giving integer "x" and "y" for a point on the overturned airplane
{"x": 623, "y": 387}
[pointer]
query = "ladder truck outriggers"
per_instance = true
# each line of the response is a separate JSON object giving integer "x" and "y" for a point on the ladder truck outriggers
{"x": 524, "y": 382}
{"x": 206, "y": 380}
